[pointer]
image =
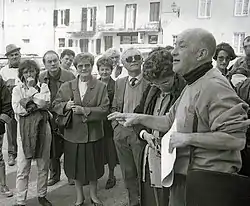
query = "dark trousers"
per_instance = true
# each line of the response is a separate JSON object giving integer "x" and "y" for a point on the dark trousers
{"x": 152, "y": 196}
{"x": 12, "y": 137}
{"x": 206, "y": 188}
{"x": 56, "y": 153}
{"x": 178, "y": 191}
{"x": 128, "y": 148}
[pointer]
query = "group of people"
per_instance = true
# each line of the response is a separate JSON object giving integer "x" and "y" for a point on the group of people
{"x": 122, "y": 116}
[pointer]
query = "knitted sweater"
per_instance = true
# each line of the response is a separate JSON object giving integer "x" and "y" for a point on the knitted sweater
{"x": 132, "y": 96}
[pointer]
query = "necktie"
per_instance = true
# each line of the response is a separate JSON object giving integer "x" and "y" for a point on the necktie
{"x": 132, "y": 81}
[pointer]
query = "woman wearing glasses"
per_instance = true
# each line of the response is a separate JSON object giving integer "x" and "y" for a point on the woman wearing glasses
{"x": 87, "y": 99}
{"x": 156, "y": 100}
{"x": 223, "y": 55}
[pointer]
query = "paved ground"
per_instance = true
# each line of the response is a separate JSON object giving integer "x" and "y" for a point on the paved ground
{"x": 63, "y": 194}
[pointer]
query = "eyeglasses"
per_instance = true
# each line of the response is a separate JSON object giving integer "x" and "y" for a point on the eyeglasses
{"x": 130, "y": 59}
{"x": 222, "y": 58}
{"x": 83, "y": 66}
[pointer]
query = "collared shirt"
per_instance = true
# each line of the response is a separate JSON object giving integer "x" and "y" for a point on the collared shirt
{"x": 83, "y": 86}
{"x": 138, "y": 78}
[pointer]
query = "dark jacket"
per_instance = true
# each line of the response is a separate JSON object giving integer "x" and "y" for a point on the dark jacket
{"x": 6, "y": 111}
{"x": 149, "y": 98}
{"x": 64, "y": 77}
{"x": 88, "y": 127}
{"x": 33, "y": 130}
{"x": 108, "y": 130}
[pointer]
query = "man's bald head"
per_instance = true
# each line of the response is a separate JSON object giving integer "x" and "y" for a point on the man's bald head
{"x": 201, "y": 39}
{"x": 198, "y": 44}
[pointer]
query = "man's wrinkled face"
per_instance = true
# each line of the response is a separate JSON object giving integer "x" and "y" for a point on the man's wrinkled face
{"x": 67, "y": 61}
{"x": 132, "y": 60}
{"x": 184, "y": 55}
{"x": 14, "y": 58}
{"x": 247, "y": 47}
{"x": 51, "y": 63}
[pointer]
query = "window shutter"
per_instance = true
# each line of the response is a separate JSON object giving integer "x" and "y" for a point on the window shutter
{"x": 94, "y": 18}
{"x": 246, "y": 7}
{"x": 84, "y": 19}
{"x": 67, "y": 14}
{"x": 208, "y": 13}
{"x": 55, "y": 20}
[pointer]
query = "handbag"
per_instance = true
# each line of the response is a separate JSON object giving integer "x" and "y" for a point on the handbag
{"x": 210, "y": 188}
{"x": 65, "y": 119}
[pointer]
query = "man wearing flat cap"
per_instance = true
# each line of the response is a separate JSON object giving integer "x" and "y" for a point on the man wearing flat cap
{"x": 9, "y": 75}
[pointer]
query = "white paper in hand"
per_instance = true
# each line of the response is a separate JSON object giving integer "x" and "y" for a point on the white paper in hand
{"x": 167, "y": 159}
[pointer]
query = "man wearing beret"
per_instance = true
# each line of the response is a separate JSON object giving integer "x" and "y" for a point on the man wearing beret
{"x": 5, "y": 113}
{"x": 9, "y": 75}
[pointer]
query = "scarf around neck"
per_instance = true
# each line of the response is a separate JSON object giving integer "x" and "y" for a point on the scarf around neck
{"x": 197, "y": 73}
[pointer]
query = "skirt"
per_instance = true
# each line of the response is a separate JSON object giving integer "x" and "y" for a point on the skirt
{"x": 84, "y": 162}
{"x": 109, "y": 146}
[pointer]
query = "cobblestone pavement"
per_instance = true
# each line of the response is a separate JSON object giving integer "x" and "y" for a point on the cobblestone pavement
{"x": 62, "y": 194}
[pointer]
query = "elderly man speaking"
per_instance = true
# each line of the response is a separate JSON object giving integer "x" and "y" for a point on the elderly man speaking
{"x": 208, "y": 97}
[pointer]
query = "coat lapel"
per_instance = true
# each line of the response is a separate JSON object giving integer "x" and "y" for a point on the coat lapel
{"x": 89, "y": 93}
{"x": 76, "y": 93}
{"x": 122, "y": 90}
{"x": 152, "y": 92}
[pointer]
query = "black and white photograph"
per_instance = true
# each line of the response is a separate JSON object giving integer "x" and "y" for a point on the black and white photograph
{"x": 125, "y": 102}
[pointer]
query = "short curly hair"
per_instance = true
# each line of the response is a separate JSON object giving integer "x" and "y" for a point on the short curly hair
{"x": 227, "y": 48}
{"x": 159, "y": 64}
{"x": 104, "y": 61}
{"x": 28, "y": 64}
{"x": 68, "y": 52}
{"x": 84, "y": 56}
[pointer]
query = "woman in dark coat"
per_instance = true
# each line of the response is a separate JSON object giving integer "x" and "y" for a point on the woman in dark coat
{"x": 86, "y": 98}
{"x": 157, "y": 100}
{"x": 105, "y": 67}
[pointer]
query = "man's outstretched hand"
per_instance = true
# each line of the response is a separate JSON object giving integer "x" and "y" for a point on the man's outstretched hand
{"x": 126, "y": 119}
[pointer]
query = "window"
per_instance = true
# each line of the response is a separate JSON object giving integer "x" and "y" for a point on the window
{"x": 204, "y": 8}
{"x": 109, "y": 14}
{"x": 98, "y": 46}
{"x": 129, "y": 39}
{"x": 238, "y": 42}
{"x": 174, "y": 39}
{"x": 70, "y": 43}
{"x": 153, "y": 39}
{"x": 130, "y": 16}
{"x": 61, "y": 17}
{"x": 108, "y": 42}
{"x": 241, "y": 7}
{"x": 154, "y": 11}
{"x": 26, "y": 41}
{"x": 88, "y": 19}
{"x": 61, "y": 42}
{"x": 84, "y": 45}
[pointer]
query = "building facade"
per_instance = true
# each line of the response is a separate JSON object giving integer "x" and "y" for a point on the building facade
{"x": 27, "y": 23}
{"x": 96, "y": 25}
{"x": 228, "y": 20}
